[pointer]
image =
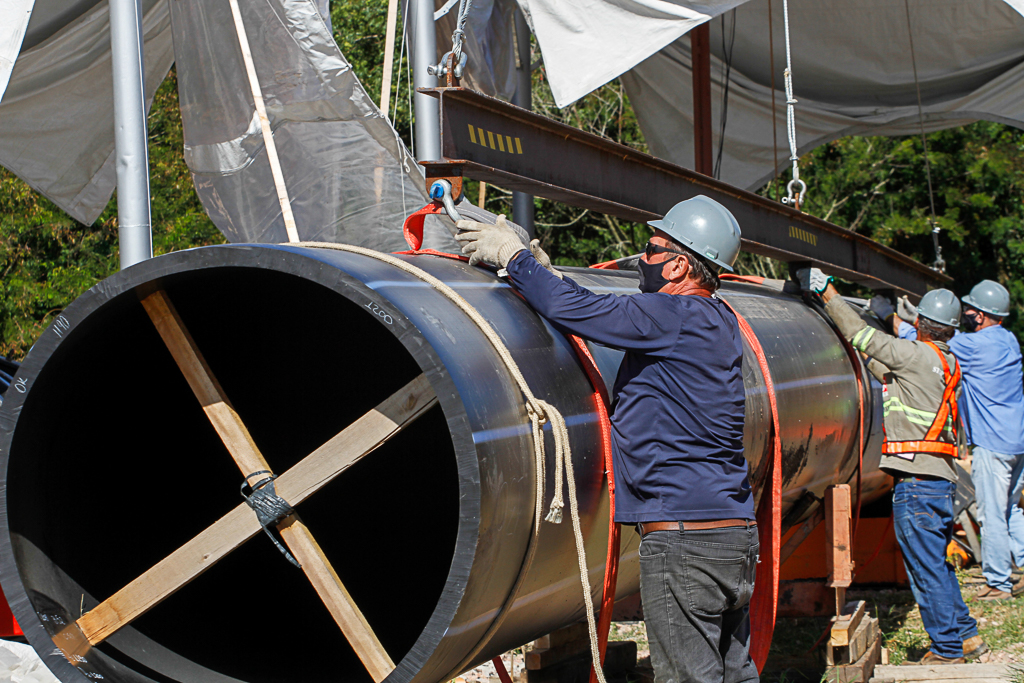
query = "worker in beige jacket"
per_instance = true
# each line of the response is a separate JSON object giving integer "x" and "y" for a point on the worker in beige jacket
{"x": 921, "y": 381}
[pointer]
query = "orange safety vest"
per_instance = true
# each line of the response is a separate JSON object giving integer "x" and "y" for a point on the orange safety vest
{"x": 947, "y": 409}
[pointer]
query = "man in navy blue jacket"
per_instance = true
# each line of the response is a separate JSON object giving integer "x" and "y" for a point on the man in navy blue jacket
{"x": 677, "y": 428}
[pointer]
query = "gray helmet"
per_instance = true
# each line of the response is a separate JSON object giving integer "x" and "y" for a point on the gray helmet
{"x": 941, "y": 306}
{"x": 706, "y": 227}
{"x": 990, "y": 297}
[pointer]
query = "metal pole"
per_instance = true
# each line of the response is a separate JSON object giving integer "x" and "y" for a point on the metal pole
{"x": 424, "y": 53}
{"x": 522, "y": 203}
{"x": 133, "y": 220}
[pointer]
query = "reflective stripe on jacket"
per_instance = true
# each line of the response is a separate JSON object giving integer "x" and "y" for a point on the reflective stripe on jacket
{"x": 915, "y": 383}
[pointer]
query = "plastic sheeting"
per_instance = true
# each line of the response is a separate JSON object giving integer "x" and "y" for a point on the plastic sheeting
{"x": 348, "y": 174}
{"x": 970, "y": 60}
{"x": 57, "y": 115}
{"x": 852, "y": 69}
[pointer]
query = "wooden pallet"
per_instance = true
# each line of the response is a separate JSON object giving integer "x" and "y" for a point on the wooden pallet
{"x": 947, "y": 673}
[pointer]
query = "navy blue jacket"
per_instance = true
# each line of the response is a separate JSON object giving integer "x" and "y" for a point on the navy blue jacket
{"x": 677, "y": 421}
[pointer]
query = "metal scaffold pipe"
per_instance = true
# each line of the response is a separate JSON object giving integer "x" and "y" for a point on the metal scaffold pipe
{"x": 424, "y": 53}
{"x": 522, "y": 203}
{"x": 390, "y": 428}
{"x": 132, "y": 166}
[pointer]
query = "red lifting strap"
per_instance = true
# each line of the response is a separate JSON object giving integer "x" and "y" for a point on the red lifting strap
{"x": 413, "y": 227}
{"x": 611, "y": 572}
{"x": 765, "y": 601}
{"x": 414, "y": 236}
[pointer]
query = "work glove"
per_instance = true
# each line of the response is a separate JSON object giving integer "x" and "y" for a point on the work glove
{"x": 881, "y": 307}
{"x": 906, "y": 310}
{"x": 494, "y": 244}
{"x": 813, "y": 280}
{"x": 542, "y": 258}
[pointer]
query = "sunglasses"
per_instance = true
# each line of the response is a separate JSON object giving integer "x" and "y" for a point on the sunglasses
{"x": 653, "y": 249}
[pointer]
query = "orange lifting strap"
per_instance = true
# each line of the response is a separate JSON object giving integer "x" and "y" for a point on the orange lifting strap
{"x": 947, "y": 408}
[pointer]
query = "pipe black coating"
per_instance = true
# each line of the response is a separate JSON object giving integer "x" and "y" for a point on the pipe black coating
{"x": 109, "y": 463}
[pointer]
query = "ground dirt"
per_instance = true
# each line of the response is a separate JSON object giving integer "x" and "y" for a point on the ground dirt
{"x": 800, "y": 655}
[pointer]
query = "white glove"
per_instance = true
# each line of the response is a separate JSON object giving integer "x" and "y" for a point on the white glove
{"x": 543, "y": 258}
{"x": 881, "y": 307}
{"x": 813, "y": 280}
{"x": 494, "y": 244}
{"x": 906, "y": 310}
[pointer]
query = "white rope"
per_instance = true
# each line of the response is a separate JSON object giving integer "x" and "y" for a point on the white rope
{"x": 793, "y": 197}
{"x": 539, "y": 412}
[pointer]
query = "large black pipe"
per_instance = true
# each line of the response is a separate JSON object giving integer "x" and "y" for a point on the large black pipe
{"x": 109, "y": 463}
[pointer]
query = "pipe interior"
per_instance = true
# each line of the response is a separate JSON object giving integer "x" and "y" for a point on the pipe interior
{"x": 114, "y": 465}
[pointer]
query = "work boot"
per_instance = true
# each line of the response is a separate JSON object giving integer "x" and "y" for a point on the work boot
{"x": 990, "y": 594}
{"x": 931, "y": 659}
{"x": 1018, "y": 588}
{"x": 974, "y": 647}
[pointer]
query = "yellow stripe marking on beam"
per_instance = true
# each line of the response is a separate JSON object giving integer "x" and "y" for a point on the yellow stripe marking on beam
{"x": 483, "y": 138}
{"x": 472, "y": 134}
{"x": 509, "y": 138}
{"x": 490, "y": 139}
{"x": 519, "y": 148}
{"x": 501, "y": 144}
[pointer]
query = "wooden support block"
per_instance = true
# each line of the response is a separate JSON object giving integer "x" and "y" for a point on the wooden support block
{"x": 858, "y": 643}
{"x": 839, "y": 535}
{"x": 861, "y": 670}
{"x": 570, "y": 634}
{"x": 620, "y": 657}
{"x": 846, "y": 624}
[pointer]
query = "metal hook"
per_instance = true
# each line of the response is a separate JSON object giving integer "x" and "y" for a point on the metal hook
{"x": 794, "y": 199}
{"x": 441, "y": 191}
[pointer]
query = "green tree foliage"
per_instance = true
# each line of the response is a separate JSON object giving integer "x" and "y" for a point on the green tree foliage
{"x": 47, "y": 259}
{"x": 877, "y": 186}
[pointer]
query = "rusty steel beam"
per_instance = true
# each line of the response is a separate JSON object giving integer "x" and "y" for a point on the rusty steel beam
{"x": 700, "y": 55}
{"x": 487, "y": 139}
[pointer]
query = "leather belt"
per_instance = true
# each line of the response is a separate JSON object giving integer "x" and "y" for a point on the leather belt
{"x": 648, "y": 527}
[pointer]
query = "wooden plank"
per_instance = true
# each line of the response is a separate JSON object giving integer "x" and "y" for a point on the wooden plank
{"x": 336, "y": 597}
{"x": 246, "y": 454}
{"x": 975, "y": 673}
{"x": 862, "y": 639}
{"x": 169, "y": 575}
{"x": 569, "y": 634}
{"x": 838, "y": 532}
{"x": 843, "y": 627}
{"x": 307, "y": 476}
{"x": 207, "y": 389}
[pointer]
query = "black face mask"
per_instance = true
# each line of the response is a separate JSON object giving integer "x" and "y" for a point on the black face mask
{"x": 651, "y": 279}
{"x": 970, "y": 322}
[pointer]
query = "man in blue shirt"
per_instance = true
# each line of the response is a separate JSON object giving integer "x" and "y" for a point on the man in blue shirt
{"x": 992, "y": 405}
{"x": 677, "y": 428}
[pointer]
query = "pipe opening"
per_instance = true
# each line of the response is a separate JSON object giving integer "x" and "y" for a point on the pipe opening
{"x": 114, "y": 465}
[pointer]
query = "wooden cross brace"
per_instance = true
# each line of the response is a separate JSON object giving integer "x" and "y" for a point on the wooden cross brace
{"x": 233, "y": 529}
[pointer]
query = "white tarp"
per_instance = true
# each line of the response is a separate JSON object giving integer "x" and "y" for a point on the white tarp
{"x": 57, "y": 116}
{"x": 851, "y": 64}
{"x": 852, "y": 69}
{"x": 14, "y": 17}
{"x": 348, "y": 174}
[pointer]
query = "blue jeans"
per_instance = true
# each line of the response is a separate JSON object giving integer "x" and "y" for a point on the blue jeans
{"x": 923, "y": 512}
{"x": 696, "y": 588}
{"x": 998, "y": 480}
